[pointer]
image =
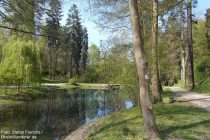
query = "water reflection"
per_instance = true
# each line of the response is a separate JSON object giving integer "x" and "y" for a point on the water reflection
{"x": 62, "y": 111}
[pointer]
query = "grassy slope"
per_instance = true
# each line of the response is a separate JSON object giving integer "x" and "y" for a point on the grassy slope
{"x": 203, "y": 86}
{"x": 173, "y": 120}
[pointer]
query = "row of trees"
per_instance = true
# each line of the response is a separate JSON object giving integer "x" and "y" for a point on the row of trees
{"x": 163, "y": 37}
{"x": 45, "y": 48}
{"x": 162, "y": 34}
{"x": 72, "y": 39}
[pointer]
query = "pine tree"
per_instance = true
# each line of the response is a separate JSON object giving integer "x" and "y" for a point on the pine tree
{"x": 53, "y": 31}
{"x": 156, "y": 91}
{"x": 74, "y": 39}
{"x": 190, "y": 45}
{"x": 84, "y": 52}
{"x": 22, "y": 15}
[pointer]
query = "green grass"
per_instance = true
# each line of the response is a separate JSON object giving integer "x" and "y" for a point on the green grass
{"x": 166, "y": 95}
{"x": 173, "y": 120}
{"x": 203, "y": 86}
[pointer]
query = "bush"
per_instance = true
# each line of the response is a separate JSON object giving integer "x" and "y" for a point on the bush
{"x": 202, "y": 68}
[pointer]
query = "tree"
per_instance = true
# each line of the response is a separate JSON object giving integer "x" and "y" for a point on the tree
{"x": 208, "y": 29}
{"x": 84, "y": 51}
{"x": 15, "y": 17}
{"x": 201, "y": 56}
{"x": 74, "y": 39}
{"x": 20, "y": 63}
{"x": 93, "y": 55}
{"x": 190, "y": 45}
{"x": 141, "y": 62}
{"x": 53, "y": 31}
{"x": 183, "y": 48}
{"x": 155, "y": 72}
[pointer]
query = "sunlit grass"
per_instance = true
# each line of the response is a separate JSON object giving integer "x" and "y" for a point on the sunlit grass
{"x": 174, "y": 121}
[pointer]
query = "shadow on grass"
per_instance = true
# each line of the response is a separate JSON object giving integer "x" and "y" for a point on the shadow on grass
{"x": 115, "y": 124}
{"x": 171, "y": 110}
{"x": 169, "y": 130}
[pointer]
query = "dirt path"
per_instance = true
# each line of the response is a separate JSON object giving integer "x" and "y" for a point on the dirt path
{"x": 193, "y": 98}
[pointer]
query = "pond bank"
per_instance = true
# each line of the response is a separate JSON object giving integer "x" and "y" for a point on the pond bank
{"x": 84, "y": 131}
{"x": 171, "y": 121}
{"x": 84, "y": 85}
{"x": 175, "y": 121}
{"x": 12, "y": 97}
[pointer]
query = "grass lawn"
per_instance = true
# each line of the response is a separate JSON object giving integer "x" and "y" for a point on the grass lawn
{"x": 174, "y": 120}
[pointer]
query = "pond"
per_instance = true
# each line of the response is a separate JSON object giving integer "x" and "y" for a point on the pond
{"x": 60, "y": 113}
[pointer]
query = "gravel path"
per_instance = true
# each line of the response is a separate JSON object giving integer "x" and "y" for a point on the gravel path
{"x": 193, "y": 98}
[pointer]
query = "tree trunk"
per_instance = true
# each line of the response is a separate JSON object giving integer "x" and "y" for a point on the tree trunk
{"x": 50, "y": 62}
{"x": 183, "y": 49}
{"x": 156, "y": 93}
{"x": 145, "y": 102}
{"x": 190, "y": 45}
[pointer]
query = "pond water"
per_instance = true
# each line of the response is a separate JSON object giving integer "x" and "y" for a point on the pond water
{"x": 60, "y": 113}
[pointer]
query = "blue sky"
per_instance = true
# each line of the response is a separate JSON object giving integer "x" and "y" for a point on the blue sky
{"x": 200, "y": 10}
{"x": 95, "y": 34}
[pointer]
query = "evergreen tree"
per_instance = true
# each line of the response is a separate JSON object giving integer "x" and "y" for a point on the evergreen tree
{"x": 84, "y": 51}
{"x": 190, "y": 45}
{"x": 53, "y": 31}
{"x": 74, "y": 40}
{"x": 22, "y": 15}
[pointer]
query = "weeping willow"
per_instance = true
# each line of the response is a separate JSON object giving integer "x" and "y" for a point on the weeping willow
{"x": 20, "y": 64}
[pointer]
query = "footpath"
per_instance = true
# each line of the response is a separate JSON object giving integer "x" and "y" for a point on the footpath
{"x": 193, "y": 98}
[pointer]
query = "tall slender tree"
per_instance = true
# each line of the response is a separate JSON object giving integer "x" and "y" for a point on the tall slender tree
{"x": 183, "y": 48}
{"x": 53, "y": 31}
{"x": 156, "y": 91}
{"x": 190, "y": 45}
{"x": 143, "y": 74}
{"x": 208, "y": 29}
{"x": 75, "y": 34}
{"x": 84, "y": 52}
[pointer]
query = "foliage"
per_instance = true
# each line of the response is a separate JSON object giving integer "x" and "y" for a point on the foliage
{"x": 203, "y": 86}
{"x": 117, "y": 67}
{"x": 53, "y": 31}
{"x": 208, "y": 29}
{"x": 77, "y": 43}
{"x": 202, "y": 66}
{"x": 20, "y": 63}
